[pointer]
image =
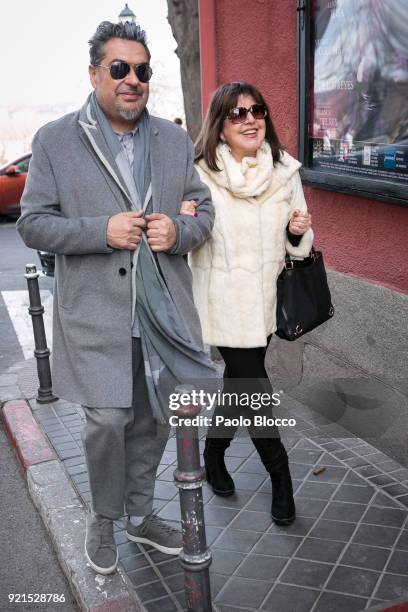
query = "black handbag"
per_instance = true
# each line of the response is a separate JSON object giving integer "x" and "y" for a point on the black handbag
{"x": 303, "y": 296}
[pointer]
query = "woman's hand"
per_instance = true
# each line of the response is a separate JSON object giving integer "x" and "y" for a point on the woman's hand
{"x": 188, "y": 207}
{"x": 300, "y": 222}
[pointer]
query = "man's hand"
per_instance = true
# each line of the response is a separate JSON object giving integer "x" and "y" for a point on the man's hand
{"x": 161, "y": 232}
{"x": 124, "y": 230}
{"x": 300, "y": 222}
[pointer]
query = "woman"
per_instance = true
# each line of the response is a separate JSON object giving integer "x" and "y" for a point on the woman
{"x": 261, "y": 214}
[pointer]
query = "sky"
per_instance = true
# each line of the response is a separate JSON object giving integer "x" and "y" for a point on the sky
{"x": 44, "y": 43}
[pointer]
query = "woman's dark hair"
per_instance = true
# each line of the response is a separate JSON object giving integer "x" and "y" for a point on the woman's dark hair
{"x": 107, "y": 30}
{"x": 225, "y": 98}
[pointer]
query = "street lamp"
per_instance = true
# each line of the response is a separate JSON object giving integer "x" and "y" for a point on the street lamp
{"x": 127, "y": 15}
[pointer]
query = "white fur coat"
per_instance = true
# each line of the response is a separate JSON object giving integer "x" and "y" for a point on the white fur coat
{"x": 235, "y": 270}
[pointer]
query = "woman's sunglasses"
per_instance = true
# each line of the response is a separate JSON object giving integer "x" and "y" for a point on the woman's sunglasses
{"x": 239, "y": 114}
{"x": 119, "y": 69}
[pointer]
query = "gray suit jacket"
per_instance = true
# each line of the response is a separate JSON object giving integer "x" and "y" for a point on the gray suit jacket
{"x": 69, "y": 196}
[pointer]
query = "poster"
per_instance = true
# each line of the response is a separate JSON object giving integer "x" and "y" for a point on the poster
{"x": 359, "y": 89}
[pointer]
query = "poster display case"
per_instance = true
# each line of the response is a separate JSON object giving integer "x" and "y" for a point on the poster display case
{"x": 353, "y": 96}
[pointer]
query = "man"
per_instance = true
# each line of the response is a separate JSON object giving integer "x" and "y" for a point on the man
{"x": 91, "y": 174}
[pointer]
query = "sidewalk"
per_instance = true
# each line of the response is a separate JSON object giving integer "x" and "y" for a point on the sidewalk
{"x": 347, "y": 550}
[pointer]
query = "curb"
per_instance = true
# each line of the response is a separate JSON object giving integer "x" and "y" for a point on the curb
{"x": 63, "y": 515}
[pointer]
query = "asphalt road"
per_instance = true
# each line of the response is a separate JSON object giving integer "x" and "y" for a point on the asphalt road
{"x": 14, "y": 256}
{"x": 28, "y": 562}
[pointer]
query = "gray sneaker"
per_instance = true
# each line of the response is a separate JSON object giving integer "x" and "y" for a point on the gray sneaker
{"x": 100, "y": 547}
{"x": 157, "y": 533}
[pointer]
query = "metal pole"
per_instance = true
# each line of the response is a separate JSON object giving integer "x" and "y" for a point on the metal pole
{"x": 41, "y": 352}
{"x": 195, "y": 558}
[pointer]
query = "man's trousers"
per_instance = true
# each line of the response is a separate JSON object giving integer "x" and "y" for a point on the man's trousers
{"x": 123, "y": 448}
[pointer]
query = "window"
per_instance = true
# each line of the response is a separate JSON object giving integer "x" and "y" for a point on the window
{"x": 353, "y": 92}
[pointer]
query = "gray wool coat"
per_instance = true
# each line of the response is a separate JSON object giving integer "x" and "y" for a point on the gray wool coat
{"x": 71, "y": 191}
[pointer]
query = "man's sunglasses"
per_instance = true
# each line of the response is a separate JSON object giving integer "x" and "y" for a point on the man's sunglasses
{"x": 239, "y": 114}
{"x": 119, "y": 69}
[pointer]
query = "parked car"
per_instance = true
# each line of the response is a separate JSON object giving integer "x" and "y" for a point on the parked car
{"x": 12, "y": 180}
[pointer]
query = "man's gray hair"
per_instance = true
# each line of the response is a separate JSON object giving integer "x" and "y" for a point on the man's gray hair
{"x": 107, "y": 30}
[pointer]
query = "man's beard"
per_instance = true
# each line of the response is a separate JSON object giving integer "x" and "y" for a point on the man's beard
{"x": 129, "y": 114}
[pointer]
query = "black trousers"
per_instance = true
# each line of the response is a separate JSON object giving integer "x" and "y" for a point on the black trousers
{"x": 245, "y": 375}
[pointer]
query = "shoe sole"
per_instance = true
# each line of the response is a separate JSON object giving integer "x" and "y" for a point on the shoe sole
{"x": 283, "y": 521}
{"x": 164, "y": 549}
{"x": 101, "y": 570}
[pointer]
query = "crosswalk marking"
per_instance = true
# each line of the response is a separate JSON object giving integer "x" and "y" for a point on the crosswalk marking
{"x": 17, "y": 303}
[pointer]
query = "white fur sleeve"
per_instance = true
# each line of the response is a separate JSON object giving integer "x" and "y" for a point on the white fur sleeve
{"x": 298, "y": 201}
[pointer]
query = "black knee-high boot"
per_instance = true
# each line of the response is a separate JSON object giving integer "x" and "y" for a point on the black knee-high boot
{"x": 275, "y": 459}
{"x": 217, "y": 474}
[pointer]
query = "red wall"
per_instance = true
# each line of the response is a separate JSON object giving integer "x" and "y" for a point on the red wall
{"x": 256, "y": 41}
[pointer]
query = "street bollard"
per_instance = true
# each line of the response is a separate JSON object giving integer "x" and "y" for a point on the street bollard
{"x": 41, "y": 352}
{"x": 195, "y": 558}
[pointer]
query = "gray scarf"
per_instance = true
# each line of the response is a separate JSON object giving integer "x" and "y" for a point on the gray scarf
{"x": 135, "y": 182}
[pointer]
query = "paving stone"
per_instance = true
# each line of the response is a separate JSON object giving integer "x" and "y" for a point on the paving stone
{"x": 241, "y": 541}
{"x": 142, "y": 576}
{"x": 396, "y": 490}
{"x": 220, "y": 517}
{"x": 171, "y": 511}
{"x": 398, "y": 563}
{"x": 403, "y": 541}
{"x": 353, "y": 581}
{"x": 309, "y": 457}
{"x": 333, "y": 602}
{"x": 331, "y": 474}
{"x": 309, "y": 507}
{"x": 332, "y": 446}
{"x": 298, "y": 470}
{"x": 277, "y": 545}
{"x": 385, "y": 516}
{"x": 234, "y": 463}
{"x": 349, "y": 493}
{"x": 237, "y": 500}
{"x": 316, "y": 490}
{"x": 153, "y": 590}
{"x": 249, "y": 482}
{"x": 217, "y": 582}
{"x": 368, "y": 470}
{"x": 170, "y": 567}
{"x": 392, "y": 587}
{"x": 260, "y": 502}
{"x": 381, "y": 480}
{"x": 317, "y": 549}
{"x": 164, "y": 604}
{"x": 383, "y": 500}
{"x": 344, "y": 454}
{"x": 355, "y": 462}
{"x": 284, "y": 597}
{"x": 165, "y": 490}
{"x": 344, "y": 511}
{"x": 306, "y": 573}
{"x": 261, "y": 567}
{"x": 301, "y": 526}
{"x": 389, "y": 465}
{"x": 375, "y": 535}
{"x": 327, "y": 459}
{"x": 226, "y": 561}
{"x": 250, "y": 466}
{"x": 400, "y": 475}
{"x": 244, "y": 592}
{"x": 333, "y": 530}
{"x": 212, "y": 534}
{"x": 134, "y": 563}
{"x": 368, "y": 557}
{"x": 255, "y": 521}
{"x": 353, "y": 479}
{"x": 403, "y": 500}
